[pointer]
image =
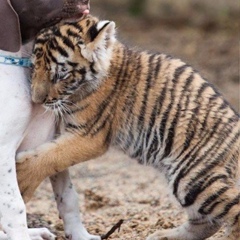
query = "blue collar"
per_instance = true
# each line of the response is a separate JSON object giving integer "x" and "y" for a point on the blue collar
{"x": 16, "y": 61}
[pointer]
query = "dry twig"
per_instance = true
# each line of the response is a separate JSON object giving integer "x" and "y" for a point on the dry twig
{"x": 113, "y": 229}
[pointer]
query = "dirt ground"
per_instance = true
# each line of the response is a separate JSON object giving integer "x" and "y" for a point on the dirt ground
{"x": 115, "y": 187}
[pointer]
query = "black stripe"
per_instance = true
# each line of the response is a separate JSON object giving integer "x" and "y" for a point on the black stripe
{"x": 106, "y": 120}
{"x": 204, "y": 123}
{"x": 72, "y": 64}
{"x": 236, "y": 220}
{"x": 227, "y": 208}
{"x": 105, "y": 102}
{"x": 128, "y": 83}
{"x": 198, "y": 221}
{"x": 210, "y": 200}
{"x": 154, "y": 111}
{"x": 92, "y": 68}
{"x": 93, "y": 32}
{"x": 232, "y": 161}
{"x": 199, "y": 187}
{"x": 154, "y": 147}
{"x": 72, "y": 34}
{"x": 171, "y": 132}
{"x": 157, "y": 69}
{"x": 195, "y": 149}
{"x": 62, "y": 51}
{"x": 68, "y": 42}
{"x": 210, "y": 165}
{"x": 53, "y": 59}
{"x": 122, "y": 85}
{"x": 203, "y": 129}
{"x": 131, "y": 101}
{"x": 38, "y": 50}
{"x": 77, "y": 109}
{"x": 141, "y": 118}
{"x": 158, "y": 106}
{"x": 193, "y": 161}
{"x": 191, "y": 133}
{"x": 52, "y": 45}
{"x": 41, "y": 41}
{"x": 48, "y": 61}
{"x": 57, "y": 33}
{"x": 108, "y": 138}
{"x": 75, "y": 25}
{"x": 207, "y": 167}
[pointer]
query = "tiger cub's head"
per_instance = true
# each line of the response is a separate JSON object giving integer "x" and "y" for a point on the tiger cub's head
{"x": 70, "y": 60}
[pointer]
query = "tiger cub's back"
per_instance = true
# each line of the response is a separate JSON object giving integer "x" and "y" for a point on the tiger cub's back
{"x": 168, "y": 109}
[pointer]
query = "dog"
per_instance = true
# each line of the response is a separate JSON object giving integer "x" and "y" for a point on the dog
{"x": 24, "y": 125}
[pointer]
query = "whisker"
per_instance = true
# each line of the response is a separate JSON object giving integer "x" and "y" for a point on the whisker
{"x": 68, "y": 102}
{"x": 68, "y": 112}
{"x": 46, "y": 111}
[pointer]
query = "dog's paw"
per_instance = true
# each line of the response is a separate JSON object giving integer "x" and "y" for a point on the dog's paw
{"x": 41, "y": 234}
{"x": 89, "y": 237}
{"x": 73, "y": 233}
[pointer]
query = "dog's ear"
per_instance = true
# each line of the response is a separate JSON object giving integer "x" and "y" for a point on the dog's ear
{"x": 10, "y": 35}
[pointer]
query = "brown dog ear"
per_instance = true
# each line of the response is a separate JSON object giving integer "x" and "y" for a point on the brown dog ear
{"x": 10, "y": 35}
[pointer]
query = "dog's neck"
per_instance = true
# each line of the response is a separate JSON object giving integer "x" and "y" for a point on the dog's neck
{"x": 20, "y": 58}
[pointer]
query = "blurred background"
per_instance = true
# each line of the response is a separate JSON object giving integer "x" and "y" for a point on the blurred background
{"x": 203, "y": 33}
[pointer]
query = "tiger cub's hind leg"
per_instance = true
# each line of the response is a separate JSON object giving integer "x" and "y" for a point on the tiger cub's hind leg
{"x": 228, "y": 213}
{"x": 197, "y": 229}
{"x": 220, "y": 204}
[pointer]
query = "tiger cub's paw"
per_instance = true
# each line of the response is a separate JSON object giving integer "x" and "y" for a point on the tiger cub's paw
{"x": 25, "y": 155}
{"x": 162, "y": 235}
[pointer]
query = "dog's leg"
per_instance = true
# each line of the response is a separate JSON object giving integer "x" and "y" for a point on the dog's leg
{"x": 67, "y": 203}
{"x": 15, "y": 105}
{"x": 12, "y": 207}
{"x": 12, "y": 126}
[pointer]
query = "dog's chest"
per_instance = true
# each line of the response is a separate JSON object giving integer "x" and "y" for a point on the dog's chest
{"x": 15, "y": 87}
{"x": 15, "y": 100}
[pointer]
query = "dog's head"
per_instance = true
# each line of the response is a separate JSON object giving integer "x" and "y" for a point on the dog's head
{"x": 20, "y": 20}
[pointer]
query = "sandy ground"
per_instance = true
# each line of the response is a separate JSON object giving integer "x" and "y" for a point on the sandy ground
{"x": 112, "y": 188}
{"x": 115, "y": 187}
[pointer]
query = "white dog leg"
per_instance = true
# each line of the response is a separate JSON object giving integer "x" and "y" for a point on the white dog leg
{"x": 12, "y": 207}
{"x": 67, "y": 203}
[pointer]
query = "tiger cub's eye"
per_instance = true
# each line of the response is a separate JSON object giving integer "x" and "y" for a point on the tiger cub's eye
{"x": 64, "y": 70}
{"x": 62, "y": 74}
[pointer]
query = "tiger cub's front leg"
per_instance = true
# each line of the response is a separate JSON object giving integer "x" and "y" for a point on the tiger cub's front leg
{"x": 35, "y": 165}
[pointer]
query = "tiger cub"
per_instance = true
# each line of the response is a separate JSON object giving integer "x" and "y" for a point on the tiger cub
{"x": 153, "y": 107}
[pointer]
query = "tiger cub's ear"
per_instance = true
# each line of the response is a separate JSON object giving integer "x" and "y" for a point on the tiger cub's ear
{"x": 102, "y": 37}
